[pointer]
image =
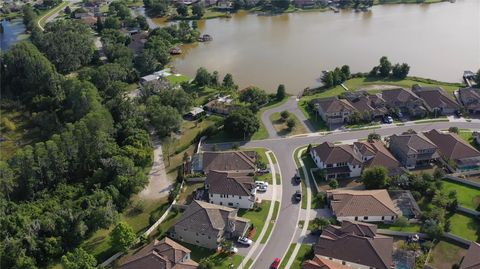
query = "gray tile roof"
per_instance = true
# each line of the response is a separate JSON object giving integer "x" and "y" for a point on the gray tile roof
{"x": 229, "y": 161}
{"x": 349, "y": 203}
{"x": 452, "y": 146}
{"x": 411, "y": 142}
{"x": 472, "y": 258}
{"x": 331, "y": 154}
{"x": 435, "y": 97}
{"x": 229, "y": 183}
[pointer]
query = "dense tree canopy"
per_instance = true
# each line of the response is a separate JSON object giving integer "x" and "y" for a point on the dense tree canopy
{"x": 375, "y": 177}
{"x": 241, "y": 123}
{"x": 67, "y": 43}
{"x": 254, "y": 96}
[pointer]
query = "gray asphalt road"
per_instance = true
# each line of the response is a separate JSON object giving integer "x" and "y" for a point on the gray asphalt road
{"x": 292, "y": 107}
{"x": 284, "y": 148}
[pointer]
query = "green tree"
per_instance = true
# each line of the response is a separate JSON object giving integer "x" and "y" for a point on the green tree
{"x": 291, "y": 123}
{"x": 182, "y": 10}
{"x": 68, "y": 44}
{"x": 281, "y": 92}
{"x": 147, "y": 63}
{"x": 228, "y": 82}
{"x": 385, "y": 67}
{"x": 373, "y": 137}
{"x": 400, "y": 71}
{"x": 283, "y": 4}
{"x": 241, "y": 123}
{"x": 328, "y": 79}
{"x": 165, "y": 119}
{"x": 198, "y": 10}
{"x": 401, "y": 221}
{"x": 122, "y": 236}
{"x": 284, "y": 115}
{"x": 375, "y": 177}
{"x": 345, "y": 72}
{"x": 79, "y": 259}
{"x": 333, "y": 184}
{"x": 453, "y": 129}
{"x": 7, "y": 180}
{"x": 254, "y": 96}
{"x": 112, "y": 22}
{"x": 432, "y": 229}
{"x": 202, "y": 78}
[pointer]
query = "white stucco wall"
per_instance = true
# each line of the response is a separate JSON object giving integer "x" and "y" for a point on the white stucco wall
{"x": 370, "y": 218}
{"x": 347, "y": 263}
{"x": 235, "y": 201}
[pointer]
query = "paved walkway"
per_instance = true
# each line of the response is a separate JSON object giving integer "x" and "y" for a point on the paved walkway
{"x": 291, "y": 106}
{"x": 158, "y": 183}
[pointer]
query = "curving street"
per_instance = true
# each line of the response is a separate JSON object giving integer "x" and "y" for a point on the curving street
{"x": 286, "y": 230}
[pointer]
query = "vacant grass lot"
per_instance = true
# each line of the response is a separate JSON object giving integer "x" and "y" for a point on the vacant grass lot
{"x": 281, "y": 127}
{"x": 446, "y": 254}
{"x": 467, "y": 196}
{"x": 465, "y": 226}
{"x": 262, "y": 132}
{"x": 257, "y": 216}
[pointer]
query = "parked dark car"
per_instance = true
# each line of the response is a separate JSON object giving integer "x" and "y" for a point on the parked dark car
{"x": 298, "y": 196}
{"x": 297, "y": 178}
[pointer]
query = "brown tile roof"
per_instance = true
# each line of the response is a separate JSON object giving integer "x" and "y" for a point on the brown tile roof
{"x": 164, "y": 254}
{"x": 333, "y": 104}
{"x": 470, "y": 98}
{"x": 381, "y": 155}
{"x": 229, "y": 161}
{"x": 202, "y": 216}
{"x": 321, "y": 263}
{"x": 331, "y": 154}
{"x": 361, "y": 203}
{"x": 229, "y": 183}
{"x": 364, "y": 102}
{"x": 398, "y": 95}
{"x": 435, "y": 97}
{"x": 472, "y": 258}
{"x": 452, "y": 146}
{"x": 344, "y": 245}
{"x": 411, "y": 142}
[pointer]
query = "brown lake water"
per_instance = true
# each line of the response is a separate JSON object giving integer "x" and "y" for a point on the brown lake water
{"x": 438, "y": 41}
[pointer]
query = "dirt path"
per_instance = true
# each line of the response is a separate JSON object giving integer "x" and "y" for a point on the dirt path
{"x": 158, "y": 183}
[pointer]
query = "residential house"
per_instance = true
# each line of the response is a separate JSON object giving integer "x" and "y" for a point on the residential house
{"x": 369, "y": 106}
{"x": 356, "y": 245}
{"x": 231, "y": 189}
{"x": 362, "y": 205}
{"x": 138, "y": 42}
{"x": 318, "y": 262}
{"x": 195, "y": 113}
{"x": 333, "y": 110}
{"x": 206, "y": 225}
{"x": 436, "y": 100}
{"x": 413, "y": 149}
{"x": 453, "y": 148}
{"x": 337, "y": 161}
{"x": 472, "y": 258}
{"x": 229, "y": 161}
{"x": 405, "y": 101}
{"x": 160, "y": 254}
{"x": 376, "y": 154}
{"x": 470, "y": 98}
{"x": 222, "y": 105}
{"x": 154, "y": 77}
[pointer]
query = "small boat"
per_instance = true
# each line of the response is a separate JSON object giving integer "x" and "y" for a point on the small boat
{"x": 205, "y": 38}
{"x": 176, "y": 51}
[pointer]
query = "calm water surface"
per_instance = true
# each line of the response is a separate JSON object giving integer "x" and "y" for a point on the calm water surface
{"x": 12, "y": 33}
{"x": 438, "y": 41}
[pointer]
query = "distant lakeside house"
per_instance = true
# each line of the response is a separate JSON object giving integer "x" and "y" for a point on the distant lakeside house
{"x": 333, "y": 110}
{"x": 436, "y": 100}
{"x": 470, "y": 99}
{"x": 404, "y": 101}
{"x": 206, "y": 225}
{"x": 348, "y": 161}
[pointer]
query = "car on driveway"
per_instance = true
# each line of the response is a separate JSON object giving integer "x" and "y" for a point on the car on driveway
{"x": 298, "y": 196}
{"x": 388, "y": 119}
{"x": 262, "y": 188}
{"x": 263, "y": 171}
{"x": 244, "y": 241}
{"x": 275, "y": 263}
{"x": 233, "y": 250}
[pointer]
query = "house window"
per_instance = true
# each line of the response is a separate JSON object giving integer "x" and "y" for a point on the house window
{"x": 356, "y": 218}
{"x": 197, "y": 241}
{"x": 343, "y": 262}
{"x": 230, "y": 204}
{"x": 211, "y": 195}
{"x": 383, "y": 218}
{"x": 221, "y": 203}
{"x": 365, "y": 218}
{"x": 240, "y": 197}
{"x": 185, "y": 229}
{"x": 209, "y": 237}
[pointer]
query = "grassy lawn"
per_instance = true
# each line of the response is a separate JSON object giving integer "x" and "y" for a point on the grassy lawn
{"x": 272, "y": 157}
{"x": 287, "y": 256}
{"x": 300, "y": 171}
{"x": 301, "y": 256}
{"x": 220, "y": 259}
{"x": 467, "y": 196}
{"x": 317, "y": 123}
{"x": 276, "y": 207}
{"x": 281, "y": 126}
{"x": 262, "y": 157}
{"x": 467, "y": 135}
{"x": 465, "y": 226}
{"x": 262, "y": 132}
{"x": 15, "y": 129}
{"x": 190, "y": 130}
{"x": 411, "y": 228}
{"x": 257, "y": 216}
{"x": 185, "y": 196}
{"x": 178, "y": 78}
{"x": 445, "y": 254}
{"x": 99, "y": 242}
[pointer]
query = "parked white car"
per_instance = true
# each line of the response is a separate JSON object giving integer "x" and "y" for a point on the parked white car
{"x": 262, "y": 188}
{"x": 261, "y": 183}
{"x": 245, "y": 241}
{"x": 234, "y": 250}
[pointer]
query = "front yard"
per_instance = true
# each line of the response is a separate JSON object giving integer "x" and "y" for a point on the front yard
{"x": 301, "y": 256}
{"x": 220, "y": 260}
{"x": 257, "y": 216}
